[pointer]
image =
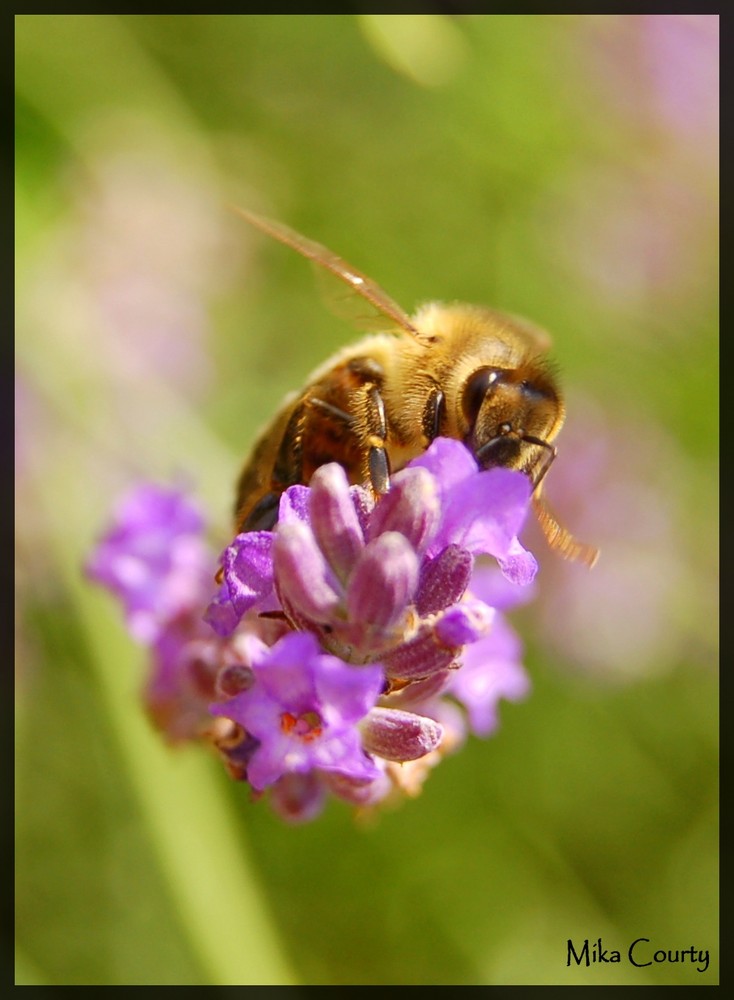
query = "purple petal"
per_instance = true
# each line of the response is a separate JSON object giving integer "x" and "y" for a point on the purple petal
{"x": 347, "y": 693}
{"x": 344, "y": 754}
{"x": 519, "y": 565}
{"x": 465, "y": 622}
{"x": 286, "y": 675}
{"x": 254, "y": 710}
{"x": 448, "y": 460}
{"x": 220, "y": 614}
{"x": 248, "y": 569}
{"x": 486, "y": 512}
{"x": 271, "y": 759}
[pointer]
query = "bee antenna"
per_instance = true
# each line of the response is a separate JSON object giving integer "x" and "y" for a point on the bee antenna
{"x": 559, "y": 539}
{"x": 550, "y": 456}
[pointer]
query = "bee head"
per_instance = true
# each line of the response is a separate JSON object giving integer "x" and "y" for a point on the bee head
{"x": 513, "y": 415}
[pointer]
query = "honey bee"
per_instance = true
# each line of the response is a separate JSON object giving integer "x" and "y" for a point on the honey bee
{"x": 460, "y": 371}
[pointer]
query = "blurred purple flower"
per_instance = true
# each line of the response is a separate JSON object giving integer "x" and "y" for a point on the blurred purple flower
{"x": 661, "y": 70}
{"x": 154, "y": 259}
{"x": 298, "y": 797}
{"x": 490, "y": 670}
{"x": 185, "y": 662}
{"x": 659, "y": 571}
{"x": 154, "y": 559}
{"x": 640, "y": 224}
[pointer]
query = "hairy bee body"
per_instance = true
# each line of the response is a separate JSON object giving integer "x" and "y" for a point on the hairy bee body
{"x": 459, "y": 371}
{"x": 337, "y": 417}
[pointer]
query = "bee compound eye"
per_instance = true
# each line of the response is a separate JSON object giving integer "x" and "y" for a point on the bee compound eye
{"x": 476, "y": 389}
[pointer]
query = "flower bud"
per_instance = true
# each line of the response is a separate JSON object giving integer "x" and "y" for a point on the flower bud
{"x": 411, "y": 507}
{"x": 465, "y": 622}
{"x": 298, "y": 798}
{"x": 421, "y": 657}
{"x": 443, "y": 579}
{"x": 334, "y": 520}
{"x": 383, "y": 582}
{"x": 396, "y": 735}
{"x": 303, "y": 576}
{"x": 359, "y": 793}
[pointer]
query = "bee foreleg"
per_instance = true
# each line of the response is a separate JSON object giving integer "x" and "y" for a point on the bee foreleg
{"x": 263, "y": 515}
{"x": 433, "y": 414}
{"x": 378, "y": 463}
{"x": 369, "y": 423}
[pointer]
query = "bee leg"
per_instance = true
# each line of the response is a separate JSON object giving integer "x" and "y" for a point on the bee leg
{"x": 263, "y": 515}
{"x": 433, "y": 414}
{"x": 379, "y": 466}
{"x": 287, "y": 470}
{"x": 378, "y": 463}
{"x": 366, "y": 402}
{"x": 332, "y": 411}
{"x": 370, "y": 402}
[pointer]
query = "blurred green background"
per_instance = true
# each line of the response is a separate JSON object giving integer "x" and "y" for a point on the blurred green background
{"x": 561, "y": 167}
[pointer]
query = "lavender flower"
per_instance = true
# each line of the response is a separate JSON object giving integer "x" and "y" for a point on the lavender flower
{"x": 302, "y": 708}
{"x": 344, "y": 651}
{"x": 153, "y": 559}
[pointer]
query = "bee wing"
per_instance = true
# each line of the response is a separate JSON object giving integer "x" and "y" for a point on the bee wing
{"x": 359, "y": 284}
{"x": 350, "y": 305}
